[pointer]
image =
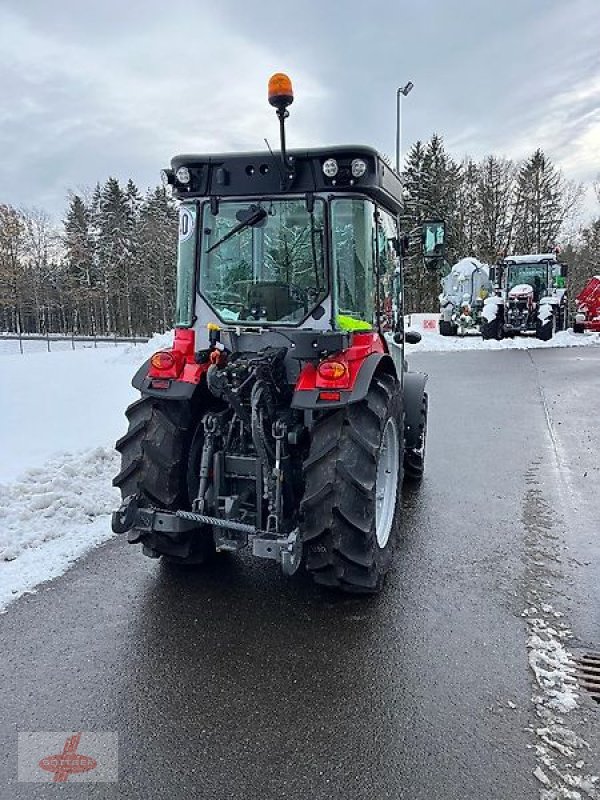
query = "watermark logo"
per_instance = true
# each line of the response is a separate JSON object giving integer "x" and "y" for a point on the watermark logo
{"x": 69, "y": 762}
{"x": 59, "y": 757}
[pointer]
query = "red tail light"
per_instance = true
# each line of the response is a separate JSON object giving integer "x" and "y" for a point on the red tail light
{"x": 332, "y": 370}
{"x": 163, "y": 360}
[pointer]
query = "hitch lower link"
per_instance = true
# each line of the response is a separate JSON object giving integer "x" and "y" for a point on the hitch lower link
{"x": 136, "y": 521}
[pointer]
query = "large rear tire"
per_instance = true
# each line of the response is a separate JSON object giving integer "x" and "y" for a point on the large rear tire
{"x": 353, "y": 478}
{"x": 160, "y": 457}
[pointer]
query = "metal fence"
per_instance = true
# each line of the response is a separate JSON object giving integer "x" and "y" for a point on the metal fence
{"x": 73, "y": 339}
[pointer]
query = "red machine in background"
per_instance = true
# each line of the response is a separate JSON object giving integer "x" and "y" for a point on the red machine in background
{"x": 587, "y": 317}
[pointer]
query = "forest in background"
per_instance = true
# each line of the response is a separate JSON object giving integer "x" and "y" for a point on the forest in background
{"x": 109, "y": 267}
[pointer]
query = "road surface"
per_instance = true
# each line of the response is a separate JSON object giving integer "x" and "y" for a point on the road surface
{"x": 237, "y": 682}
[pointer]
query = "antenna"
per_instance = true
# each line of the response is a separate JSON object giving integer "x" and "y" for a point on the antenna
{"x": 276, "y": 160}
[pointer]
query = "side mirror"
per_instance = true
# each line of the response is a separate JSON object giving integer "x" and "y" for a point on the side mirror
{"x": 412, "y": 337}
{"x": 434, "y": 239}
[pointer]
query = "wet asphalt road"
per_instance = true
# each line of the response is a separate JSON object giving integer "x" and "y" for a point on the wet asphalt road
{"x": 237, "y": 682}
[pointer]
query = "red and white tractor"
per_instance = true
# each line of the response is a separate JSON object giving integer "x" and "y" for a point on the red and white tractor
{"x": 529, "y": 297}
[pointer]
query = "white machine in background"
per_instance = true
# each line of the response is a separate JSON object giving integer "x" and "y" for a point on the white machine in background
{"x": 464, "y": 290}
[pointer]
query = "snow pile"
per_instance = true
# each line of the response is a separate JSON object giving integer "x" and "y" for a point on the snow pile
{"x": 59, "y": 423}
{"x": 53, "y": 515}
{"x": 138, "y": 353}
{"x": 559, "y": 749}
{"x": 552, "y": 666}
{"x": 67, "y": 492}
{"x": 490, "y": 308}
{"x": 431, "y": 341}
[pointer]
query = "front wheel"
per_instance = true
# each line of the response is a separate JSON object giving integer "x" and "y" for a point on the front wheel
{"x": 353, "y": 476}
{"x": 447, "y": 328}
{"x": 545, "y": 329}
{"x": 492, "y": 329}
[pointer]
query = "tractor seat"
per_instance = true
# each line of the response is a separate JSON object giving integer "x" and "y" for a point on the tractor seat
{"x": 270, "y": 299}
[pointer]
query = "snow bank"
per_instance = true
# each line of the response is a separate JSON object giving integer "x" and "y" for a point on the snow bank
{"x": 60, "y": 415}
{"x": 138, "y": 353}
{"x": 431, "y": 341}
{"x": 68, "y": 491}
{"x": 52, "y": 516}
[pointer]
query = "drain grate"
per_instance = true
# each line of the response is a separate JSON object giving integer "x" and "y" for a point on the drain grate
{"x": 588, "y": 673}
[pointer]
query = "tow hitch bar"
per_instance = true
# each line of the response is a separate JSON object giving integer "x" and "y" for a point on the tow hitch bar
{"x": 285, "y": 549}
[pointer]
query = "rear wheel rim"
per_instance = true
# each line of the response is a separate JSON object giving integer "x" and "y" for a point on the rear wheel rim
{"x": 386, "y": 483}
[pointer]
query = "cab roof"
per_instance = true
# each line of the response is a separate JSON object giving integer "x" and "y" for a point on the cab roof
{"x": 531, "y": 258}
{"x": 263, "y": 173}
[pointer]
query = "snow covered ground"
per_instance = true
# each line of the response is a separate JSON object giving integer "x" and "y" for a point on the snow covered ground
{"x": 60, "y": 414}
{"x": 427, "y": 326}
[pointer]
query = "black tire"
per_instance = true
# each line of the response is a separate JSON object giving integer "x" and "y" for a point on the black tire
{"x": 447, "y": 328}
{"x": 414, "y": 457}
{"x": 492, "y": 329}
{"x": 160, "y": 456}
{"x": 546, "y": 330}
{"x": 578, "y": 327}
{"x": 338, "y": 523}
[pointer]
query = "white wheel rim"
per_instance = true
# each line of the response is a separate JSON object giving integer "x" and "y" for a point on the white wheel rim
{"x": 386, "y": 483}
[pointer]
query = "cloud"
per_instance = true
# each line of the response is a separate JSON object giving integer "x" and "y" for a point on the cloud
{"x": 96, "y": 89}
{"x": 78, "y": 110}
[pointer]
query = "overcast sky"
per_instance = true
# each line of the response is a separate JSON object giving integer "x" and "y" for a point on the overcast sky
{"x": 92, "y": 89}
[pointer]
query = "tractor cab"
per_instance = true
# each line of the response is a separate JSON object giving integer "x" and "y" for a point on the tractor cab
{"x": 541, "y": 272}
{"x": 314, "y": 248}
{"x": 304, "y": 245}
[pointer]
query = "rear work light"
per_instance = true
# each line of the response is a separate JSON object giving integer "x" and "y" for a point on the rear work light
{"x": 330, "y": 168}
{"x": 332, "y": 370}
{"x": 358, "y": 167}
{"x": 163, "y": 360}
{"x": 183, "y": 175}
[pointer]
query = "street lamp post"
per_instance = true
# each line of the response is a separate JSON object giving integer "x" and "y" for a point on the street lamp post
{"x": 401, "y": 92}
